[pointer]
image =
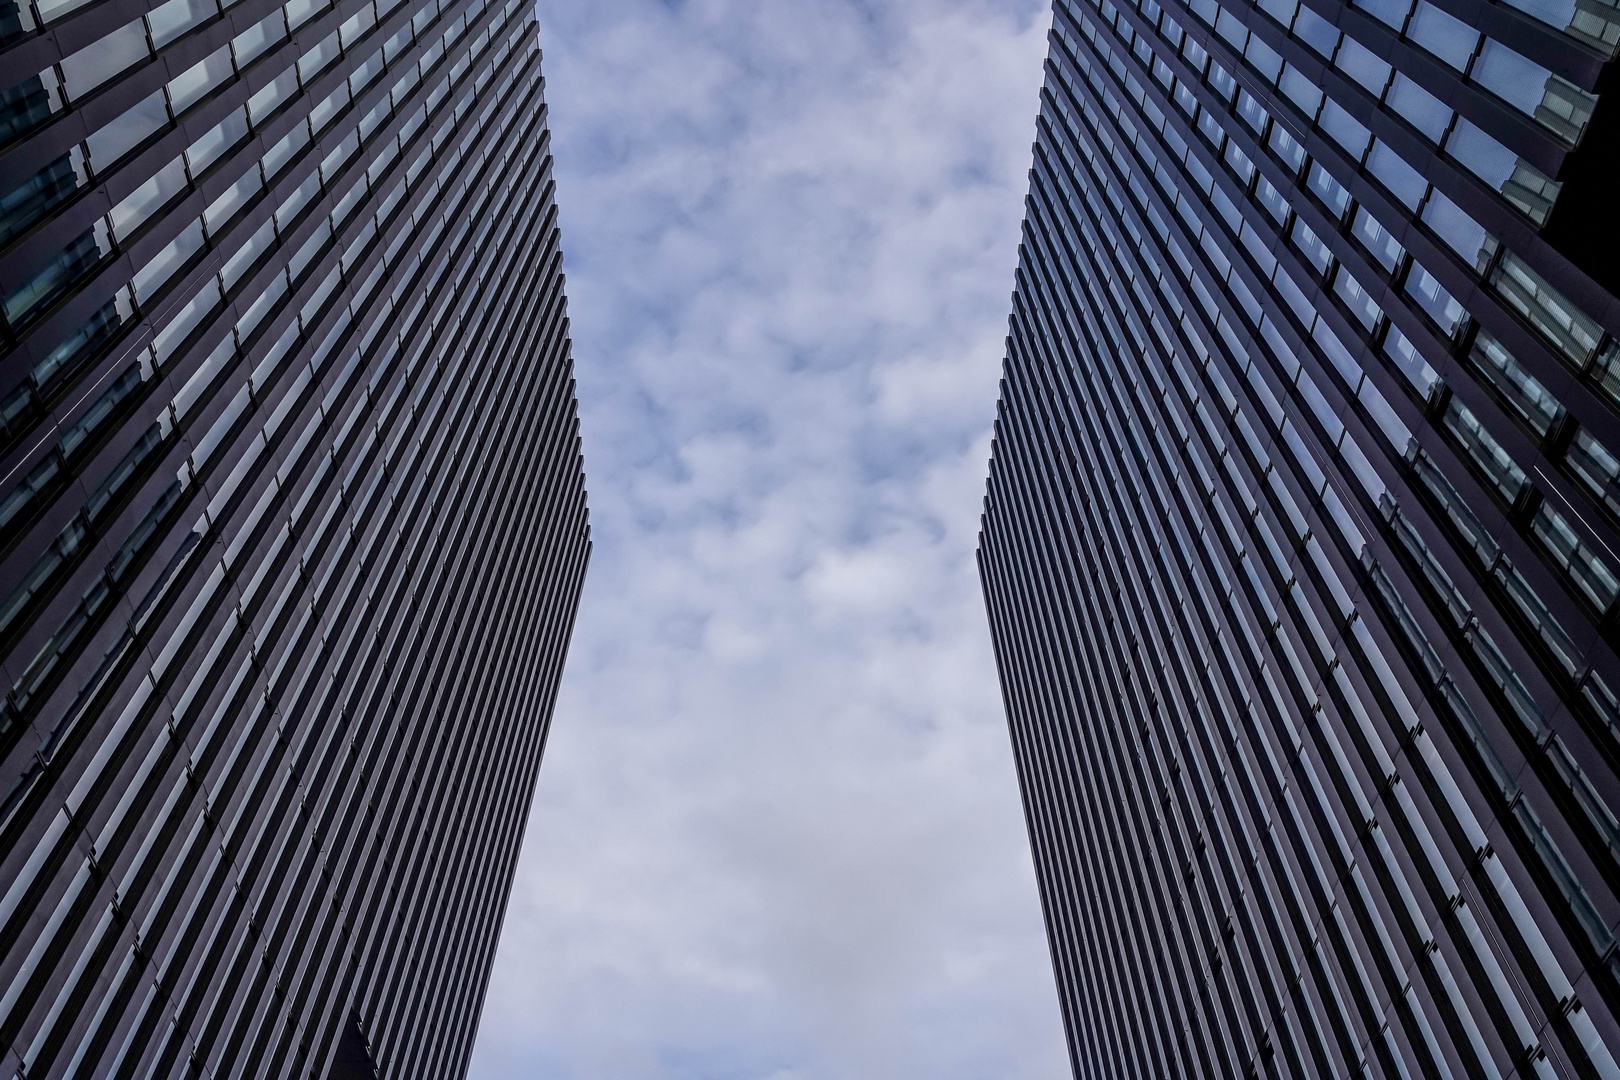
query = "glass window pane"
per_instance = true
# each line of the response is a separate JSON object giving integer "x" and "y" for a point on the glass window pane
{"x": 1447, "y": 37}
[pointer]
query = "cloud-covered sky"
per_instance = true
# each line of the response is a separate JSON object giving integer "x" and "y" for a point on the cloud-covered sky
{"x": 777, "y": 833}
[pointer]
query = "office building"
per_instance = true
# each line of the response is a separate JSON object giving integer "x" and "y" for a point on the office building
{"x": 292, "y": 527}
{"x": 1301, "y": 547}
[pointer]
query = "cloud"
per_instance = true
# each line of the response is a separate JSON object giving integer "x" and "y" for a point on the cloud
{"x": 777, "y": 833}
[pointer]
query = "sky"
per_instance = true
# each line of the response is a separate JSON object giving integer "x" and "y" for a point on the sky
{"x": 777, "y": 832}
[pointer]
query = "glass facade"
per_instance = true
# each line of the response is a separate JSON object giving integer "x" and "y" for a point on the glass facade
{"x": 1301, "y": 547}
{"x": 292, "y": 526}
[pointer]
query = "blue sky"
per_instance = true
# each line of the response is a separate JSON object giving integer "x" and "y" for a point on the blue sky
{"x": 777, "y": 833}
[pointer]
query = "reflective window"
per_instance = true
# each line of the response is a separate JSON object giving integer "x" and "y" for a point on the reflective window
{"x": 1522, "y": 391}
{"x": 1377, "y": 240}
{"x": 1597, "y": 468}
{"x": 1495, "y": 462}
{"x": 1589, "y": 572}
{"x": 1447, "y": 37}
{"x": 1398, "y": 178}
{"x": 81, "y": 256}
{"x": 215, "y": 142}
{"x": 1419, "y": 108}
{"x": 144, "y": 201}
{"x": 1285, "y": 147}
{"x": 1461, "y": 233}
{"x": 40, "y": 193}
{"x": 1316, "y": 32}
{"x": 1521, "y": 183}
{"x": 16, "y": 19}
{"x": 232, "y": 200}
{"x": 1344, "y": 129}
{"x": 1566, "y": 327}
{"x": 257, "y": 39}
{"x": 1435, "y": 301}
{"x": 1358, "y": 62}
{"x": 201, "y": 79}
{"x": 1329, "y": 191}
{"x": 168, "y": 21}
{"x": 1357, "y": 299}
{"x": 100, "y": 61}
{"x": 133, "y": 127}
{"x": 28, "y": 104}
{"x": 1410, "y": 362}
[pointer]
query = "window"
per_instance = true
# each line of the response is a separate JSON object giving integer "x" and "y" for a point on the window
{"x": 215, "y": 142}
{"x": 140, "y": 204}
{"x": 28, "y": 104}
{"x": 300, "y": 12}
{"x": 252, "y": 249}
{"x": 257, "y": 39}
{"x": 1196, "y": 57}
{"x": 1252, "y": 112}
{"x": 1435, "y": 301}
{"x": 1557, "y": 105}
{"x": 1377, "y": 240}
{"x": 1607, "y": 370}
{"x": 1286, "y": 148}
{"x": 1299, "y": 89}
{"x": 1566, "y": 327}
{"x": 1565, "y": 109}
{"x": 36, "y": 196}
{"x": 1460, "y": 232}
{"x": 15, "y": 20}
{"x": 272, "y": 96}
{"x": 201, "y": 79}
{"x": 1344, "y": 129}
{"x": 1273, "y": 200}
{"x": 1487, "y": 454}
{"x": 1398, "y": 178}
{"x": 1280, "y": 10}
{"x": 1357, "y": 299}
{"x": 314, "y": 61}
{"x": 1358, "y": 62}
{"x": 1419, "y": 108}
{"x": 1598, "y": 469}
{"x": 100, "y": 61}
{"x": 166, "y": 22}
{"x": 1211, "y": 129}
{"x": 279, "y": 156}
{"x": 232, "y": 200}
{"x": 1263, "y": 58}
{"x": 1410, "y": 362}
{"x": 131, "y": 128}
{"x": 66, "y": 357}
{"x": 1329, "y": 191}
{"x": 1522, "y": 391}
{"x": 1447, "y": 37}
{"x": 1590, "y": 574}
{"x": 1239, "y": 163}
{"x": 150, "y": 279}
{"x": 56, "y": 277}
{"x": 1316, "y": 32}
{"x": 1311, "y": 246}
{"x": 1390, "y": 12}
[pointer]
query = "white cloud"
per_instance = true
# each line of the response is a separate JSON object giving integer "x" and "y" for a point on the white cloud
{"x": 777, "y": 833}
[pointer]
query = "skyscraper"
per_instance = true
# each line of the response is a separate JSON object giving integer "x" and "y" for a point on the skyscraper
{"x": 1300, "y": 547}
{"x": 292, "y": 527}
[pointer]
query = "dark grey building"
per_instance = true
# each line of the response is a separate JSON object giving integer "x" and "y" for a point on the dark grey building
{"x": 292, "y": 527}
{"x": 1302, "y": 542}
